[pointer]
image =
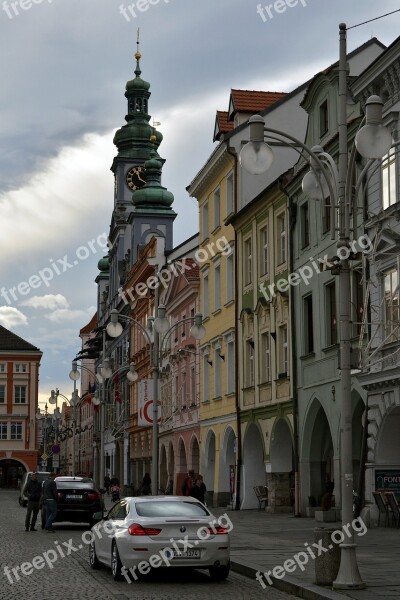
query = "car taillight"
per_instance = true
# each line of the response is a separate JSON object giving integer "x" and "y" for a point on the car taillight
{"x": 217, "y": 529}
{"x": 137, "y": 529}
{"x": 93, "y": 496}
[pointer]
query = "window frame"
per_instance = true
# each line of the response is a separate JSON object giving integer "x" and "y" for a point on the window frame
{"x": 389, "y": 172}
{"x": 248, "y": 261}
{"x": 17, "y": 398}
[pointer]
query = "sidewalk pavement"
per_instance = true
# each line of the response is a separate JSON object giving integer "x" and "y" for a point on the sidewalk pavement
{"x": 261, "y": 541}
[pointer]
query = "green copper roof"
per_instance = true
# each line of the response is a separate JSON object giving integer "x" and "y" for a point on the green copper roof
{"x": 104, "y": 265}
{"x": 153, "y": 196}
{"x": 137, "y": 138}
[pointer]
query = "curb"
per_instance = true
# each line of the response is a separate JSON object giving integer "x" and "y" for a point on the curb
{"x": 289, "y": 585}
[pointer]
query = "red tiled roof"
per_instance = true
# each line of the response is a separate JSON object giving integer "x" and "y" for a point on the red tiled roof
{"x": 90, "y": 326}
{"x": 193, "y": 272}
{"x": 223, "y": 124}
{"x": 252, "y": 101}
{"x": 10, "y": 341}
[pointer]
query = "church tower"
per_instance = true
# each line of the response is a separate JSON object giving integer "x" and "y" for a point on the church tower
{"x": 142, "y": 206}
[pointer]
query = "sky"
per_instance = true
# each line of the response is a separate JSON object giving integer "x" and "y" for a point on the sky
{"x": 63, "y": 69}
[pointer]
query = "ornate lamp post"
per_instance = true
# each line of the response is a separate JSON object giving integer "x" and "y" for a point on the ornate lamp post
{"x": 372, "y": 141}
{"x": 156, "y": 338}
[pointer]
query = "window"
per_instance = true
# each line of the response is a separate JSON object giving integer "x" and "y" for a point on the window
{"x": 249, "y": 363}
{"x": 217, "y": 287}
{"x": 206, "y": 309}
{"x": 391, "y": 298}
{"x": 247, "y": 262}
{"x": 193, "y": 385}
{"x": 308, "y": 325}
{"x": 281, "y": 239}
{"x": 20, "y": 368}
{"x": 183, "y": 402}
{"x": 20, "y": 394}
{"x": 3, "y": 430}
{"x": 230, "y": 281}
{"x": 323, "y": 118}
{"x": 217, "y": 373}
{"x": 217, "y": 208}
{"x": 326, "y": 215}
{"x": 283, "y": 349}
{"x": 230, "y": 368}
{"x": 264, "y": 250}
{"x": 206, "y": 378}
{"x": 16, "y": 431}
{"x": 229, "y": 194}
{"x": 205, "y": 220}
{"x": 389, "y": 179}
{"x": 305, "y": 226}
{"x": 331, "y": 320}
{"x": 265, "y": 357}
{"x": 2, "y": 368}
{"x": 2, "y": 394}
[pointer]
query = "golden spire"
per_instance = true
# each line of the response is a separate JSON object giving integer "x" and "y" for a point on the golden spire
{"x": 138, "y": 56}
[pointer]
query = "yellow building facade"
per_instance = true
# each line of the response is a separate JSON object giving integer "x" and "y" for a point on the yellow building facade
{"x": 214, "y": 189}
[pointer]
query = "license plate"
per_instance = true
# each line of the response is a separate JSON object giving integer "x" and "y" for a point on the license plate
{"x": 187, "y": 554}
{"x": 73, "y": 497}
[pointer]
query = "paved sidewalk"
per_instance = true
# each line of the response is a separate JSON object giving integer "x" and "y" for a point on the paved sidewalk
{"x": 261, "y": 541}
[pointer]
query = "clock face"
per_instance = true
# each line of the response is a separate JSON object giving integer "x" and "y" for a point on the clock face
{"x": 136, "y": 178}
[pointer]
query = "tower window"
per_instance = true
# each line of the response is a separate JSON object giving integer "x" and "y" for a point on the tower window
{"x": 323, "y": 118}
{"x": 138, "y": 105}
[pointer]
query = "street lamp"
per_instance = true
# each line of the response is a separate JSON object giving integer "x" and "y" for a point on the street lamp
{"x": 104, "y": 372}
{"x": 372, "y": 141}
{"x": 73, "y": 402}
{"x": 156, "y": 335}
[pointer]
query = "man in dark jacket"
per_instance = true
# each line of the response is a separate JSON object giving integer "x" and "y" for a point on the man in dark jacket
{"x": 49, "y": 497}
{"x": 199, "y": 489}
{"x": 33, "y": 490}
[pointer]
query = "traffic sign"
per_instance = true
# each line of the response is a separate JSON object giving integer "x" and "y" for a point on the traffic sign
{"x": 44, "y": 456}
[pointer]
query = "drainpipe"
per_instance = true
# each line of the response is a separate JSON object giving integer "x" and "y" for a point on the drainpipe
{"x": 292, "y": 224}
{"x": 232, "y": 152}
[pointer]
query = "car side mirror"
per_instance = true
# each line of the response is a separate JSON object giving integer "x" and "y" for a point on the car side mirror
{"x": 99, "y": 516}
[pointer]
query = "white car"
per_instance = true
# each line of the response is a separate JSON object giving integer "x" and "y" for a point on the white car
{"x": 147, "y": 532}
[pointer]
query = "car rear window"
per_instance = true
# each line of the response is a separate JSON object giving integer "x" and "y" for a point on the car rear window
{"x": 77, "y": 485}
{"x": 167, "y": 509}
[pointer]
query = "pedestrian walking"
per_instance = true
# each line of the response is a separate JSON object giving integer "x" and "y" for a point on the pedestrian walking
{"x": 188, "y": 483}
{"x": 145, "y": 488}
{"x": 49, "y": 499}
{"x": 33, "y": 491}
{"x": 199, "y": 489}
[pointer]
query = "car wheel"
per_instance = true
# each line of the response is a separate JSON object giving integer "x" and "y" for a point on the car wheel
{"x": 116, "y": 564}
{"x": 219, "y": 573}
{"x": 93, "y": 560}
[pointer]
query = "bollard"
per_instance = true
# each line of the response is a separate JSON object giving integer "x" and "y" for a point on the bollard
{"x": 327, "y": 564}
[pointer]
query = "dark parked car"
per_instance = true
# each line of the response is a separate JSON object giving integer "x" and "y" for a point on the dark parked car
{"x": 78, "y": 500}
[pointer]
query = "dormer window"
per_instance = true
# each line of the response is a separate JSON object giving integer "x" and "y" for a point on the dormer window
{"x": 323, "y": 118}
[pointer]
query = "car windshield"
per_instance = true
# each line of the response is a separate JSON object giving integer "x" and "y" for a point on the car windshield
{"x": 165, "y": 509}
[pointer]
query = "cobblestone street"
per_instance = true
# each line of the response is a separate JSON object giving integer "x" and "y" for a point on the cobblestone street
{"x": 71, "y": 578}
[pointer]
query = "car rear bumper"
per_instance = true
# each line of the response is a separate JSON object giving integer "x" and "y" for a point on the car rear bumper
{"x": 213, "y": 552}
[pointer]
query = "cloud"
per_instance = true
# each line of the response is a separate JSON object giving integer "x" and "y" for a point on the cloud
{"x": 49, "y": 301}
{"x": 60, "y": 207}
{"x": 12, "y": 317}
{"x": 63, "y": 314}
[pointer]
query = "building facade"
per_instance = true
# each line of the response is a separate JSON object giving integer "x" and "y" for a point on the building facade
{"x": 19, "y": 380}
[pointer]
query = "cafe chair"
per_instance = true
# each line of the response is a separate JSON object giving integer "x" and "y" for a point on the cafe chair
{"x": 393, "y": 507}
{"x": 382, "y": 507}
